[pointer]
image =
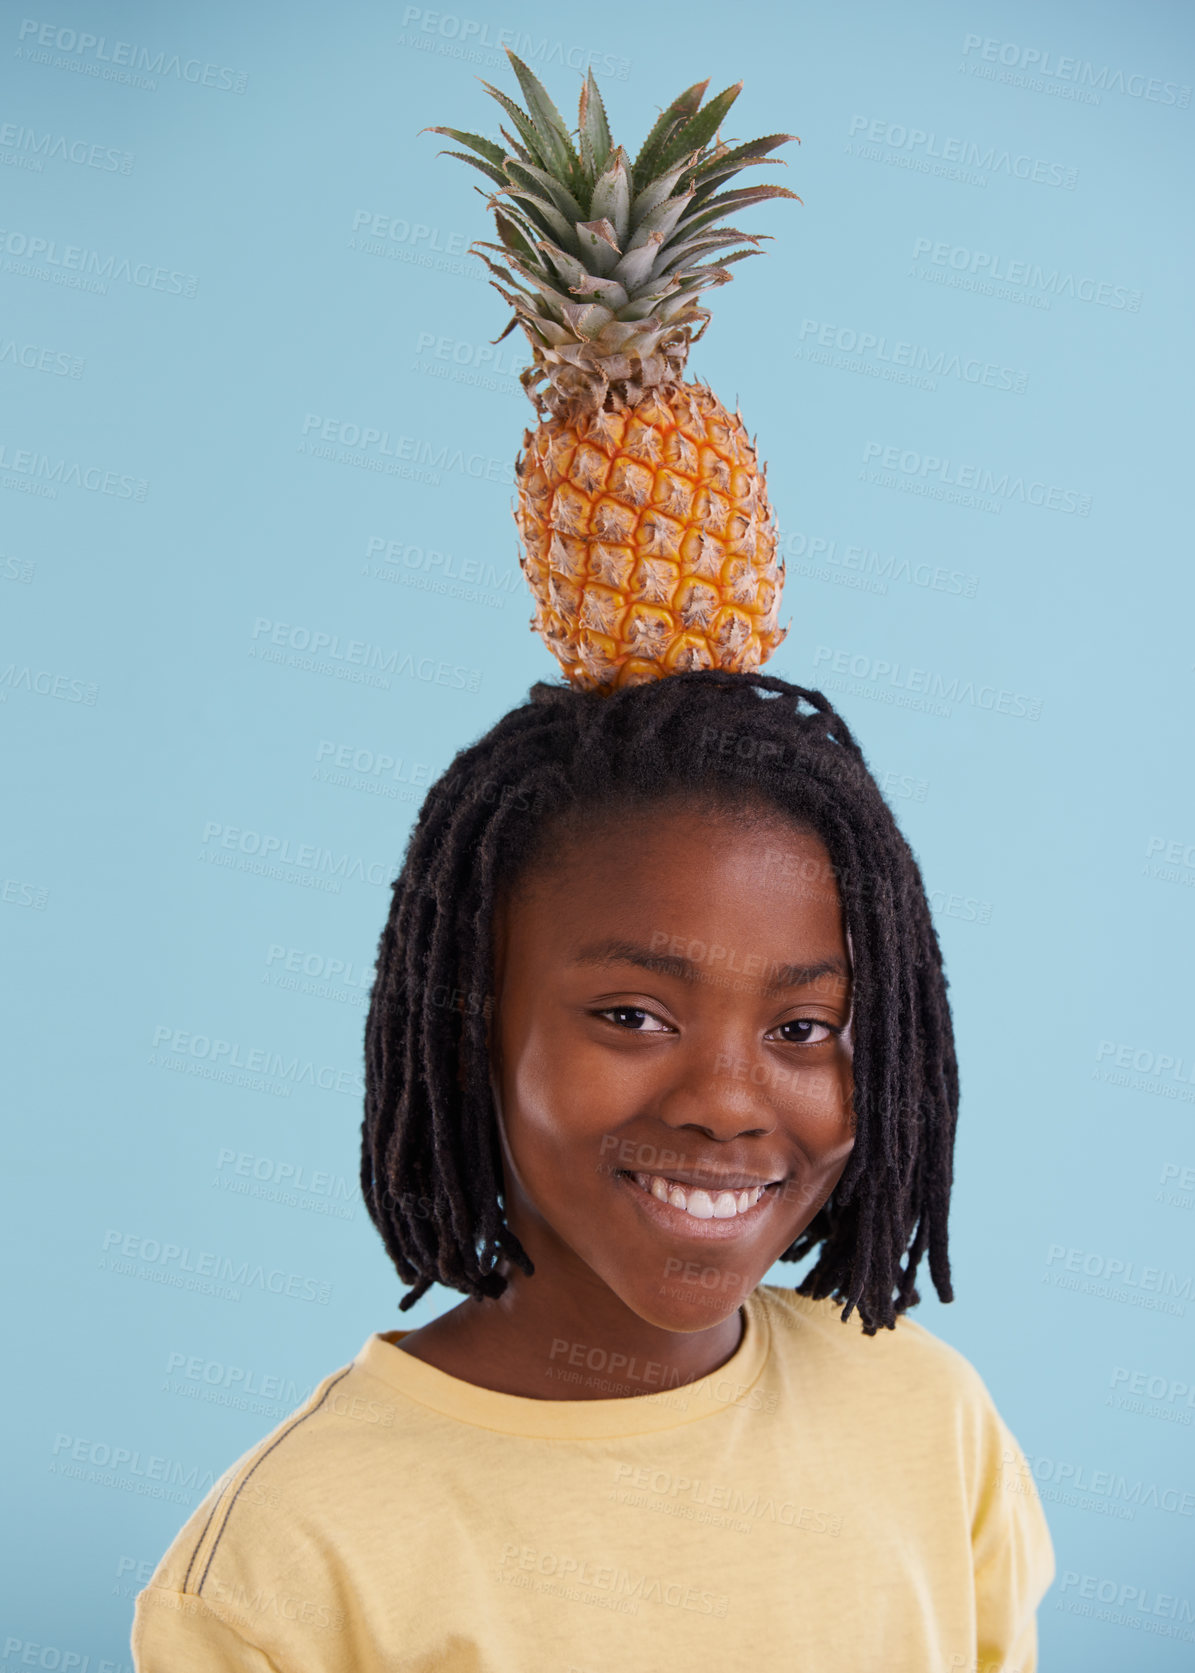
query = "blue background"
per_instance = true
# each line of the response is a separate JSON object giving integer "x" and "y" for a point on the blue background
{"x": 284, "y": 252}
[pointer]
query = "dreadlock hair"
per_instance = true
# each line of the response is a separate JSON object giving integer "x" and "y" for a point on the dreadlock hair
{"x": 431, "y": 1171}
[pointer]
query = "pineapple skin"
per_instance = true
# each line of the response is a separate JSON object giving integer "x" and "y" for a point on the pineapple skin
{"x": 649, "y": 543}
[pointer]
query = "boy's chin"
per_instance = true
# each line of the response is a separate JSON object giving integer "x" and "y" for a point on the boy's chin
{"x": 684, "y": 1306}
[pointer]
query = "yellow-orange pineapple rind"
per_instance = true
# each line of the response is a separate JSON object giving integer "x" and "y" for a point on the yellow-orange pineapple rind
{"x": 649, "y": 542}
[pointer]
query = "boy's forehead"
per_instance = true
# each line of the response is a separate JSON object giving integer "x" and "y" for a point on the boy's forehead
{"x": 767, "y": 887}
{"x": 691, "y": 960}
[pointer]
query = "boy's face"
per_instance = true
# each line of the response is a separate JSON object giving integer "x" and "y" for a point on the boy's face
{"x": 671, "y": 1036}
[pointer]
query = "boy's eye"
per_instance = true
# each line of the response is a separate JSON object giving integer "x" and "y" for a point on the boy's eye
{"x": 635, "y": 1019}
{"x": 804, "y": 1031}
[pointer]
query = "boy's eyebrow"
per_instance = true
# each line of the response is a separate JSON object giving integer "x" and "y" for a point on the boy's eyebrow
{"x": 779, "y": 976}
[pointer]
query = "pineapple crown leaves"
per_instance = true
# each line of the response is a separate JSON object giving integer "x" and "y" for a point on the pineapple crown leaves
{"x": 608, "y": 252}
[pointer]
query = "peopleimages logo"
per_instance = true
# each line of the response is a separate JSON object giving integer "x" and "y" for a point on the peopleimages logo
{"x": 356, "y": 660}
{"x": 151, "y": 1467}
{"x": 130, "y": 1254}
{"x": 471, "y": 39}
{"x": 863, "y": 566}
{"x": 1143, "y": 1600}
{"x": 1147, "y": 1062}
{"x": 57, "y": 362}
{"x": 308, "y": 856}
{"x": 1123, "y": 1273}
{"x": 368, "y": 442}
{"x": 45, "y": 683}
{"x": 398, "y": 231}
{"x": 933, "y": 363}
{"x": 31, "y": 471}
{"x": 1141, "y": 1069}
{"x": 920, "y": 687}
{"x": 1170, "y": 1389}
{"x": 80, "y": 267}
{"x": 257, "y": 1060}
{"x": 1070, "y": 1477}
{"x": 973, "y": 478}
{"x": 30, "y": 1652}
{"x": 89, "y": 52}
{"x": 918, "y": 144}
{"x": 1082, "y": 73}
{"x": 461, "y": 353}
{"x": 214, "y": 1373}
{"x": 984, "y": 271}
{"x": 375, "y": 233}
{"x": 19, "y": 141}
{"x": 1170, "y": 860}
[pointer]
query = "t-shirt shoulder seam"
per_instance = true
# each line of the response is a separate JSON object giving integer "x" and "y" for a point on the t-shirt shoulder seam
{"x": 226, "y": 1501}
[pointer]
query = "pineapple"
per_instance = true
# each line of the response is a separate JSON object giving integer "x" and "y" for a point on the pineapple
{"x": 647, "y": 536}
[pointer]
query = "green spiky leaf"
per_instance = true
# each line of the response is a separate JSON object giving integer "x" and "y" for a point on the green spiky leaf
{"x": 701, "y": 128}
{"x": 667, "y": 123}
{"x": 675, "y": 258}
{"x": 571, "y": 272}
{"x": 593, "y": 129}
{"x": 512, "y": 236}
{"x": 484, "y": 147}
{"x": 655, "y": 193}
{"x": 541, "y": 217}
{"x": 556, "y": 146}
{"x": 597, "y": 250}
{"x": 545, "y": 184}
{"x": 588, "y": 319}
{"x": 717, "y": 207}
{"x": 606, "y": 291}
{"x": 754, "y": 150}
{"x": 547, "y": 284}
{"x": 635, "y": 268}
{"x": 645, "y": 302}
{"x": 612, "y": 197}
{"x": 517, "y": 150}
{"x": 599, "y": 246}
{"x": 522, "y": 122}
{"x": 660, "y": 222}
{"x": 476, "y": 162}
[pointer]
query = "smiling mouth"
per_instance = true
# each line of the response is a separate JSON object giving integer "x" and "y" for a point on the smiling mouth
{"x": 697, "y": 1203}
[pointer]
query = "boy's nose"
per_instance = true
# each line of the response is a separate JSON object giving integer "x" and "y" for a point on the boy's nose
{"x": 719, "y": 1096}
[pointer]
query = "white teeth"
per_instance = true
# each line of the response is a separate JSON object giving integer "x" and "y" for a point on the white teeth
{"x": 699, "y": 1204}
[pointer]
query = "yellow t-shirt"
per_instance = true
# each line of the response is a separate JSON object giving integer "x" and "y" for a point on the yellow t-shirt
{"x": 826, "y": 1501}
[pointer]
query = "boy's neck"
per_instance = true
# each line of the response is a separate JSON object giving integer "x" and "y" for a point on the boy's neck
{"x": 541, "y": 1344}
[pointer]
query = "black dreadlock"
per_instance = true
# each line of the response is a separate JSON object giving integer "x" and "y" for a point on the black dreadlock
{"x": 431, "y": 1172}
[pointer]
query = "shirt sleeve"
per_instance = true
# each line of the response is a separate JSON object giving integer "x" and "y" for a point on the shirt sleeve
{"x": 176, "y": 1632}
{"x": 1012, "y": 1552}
